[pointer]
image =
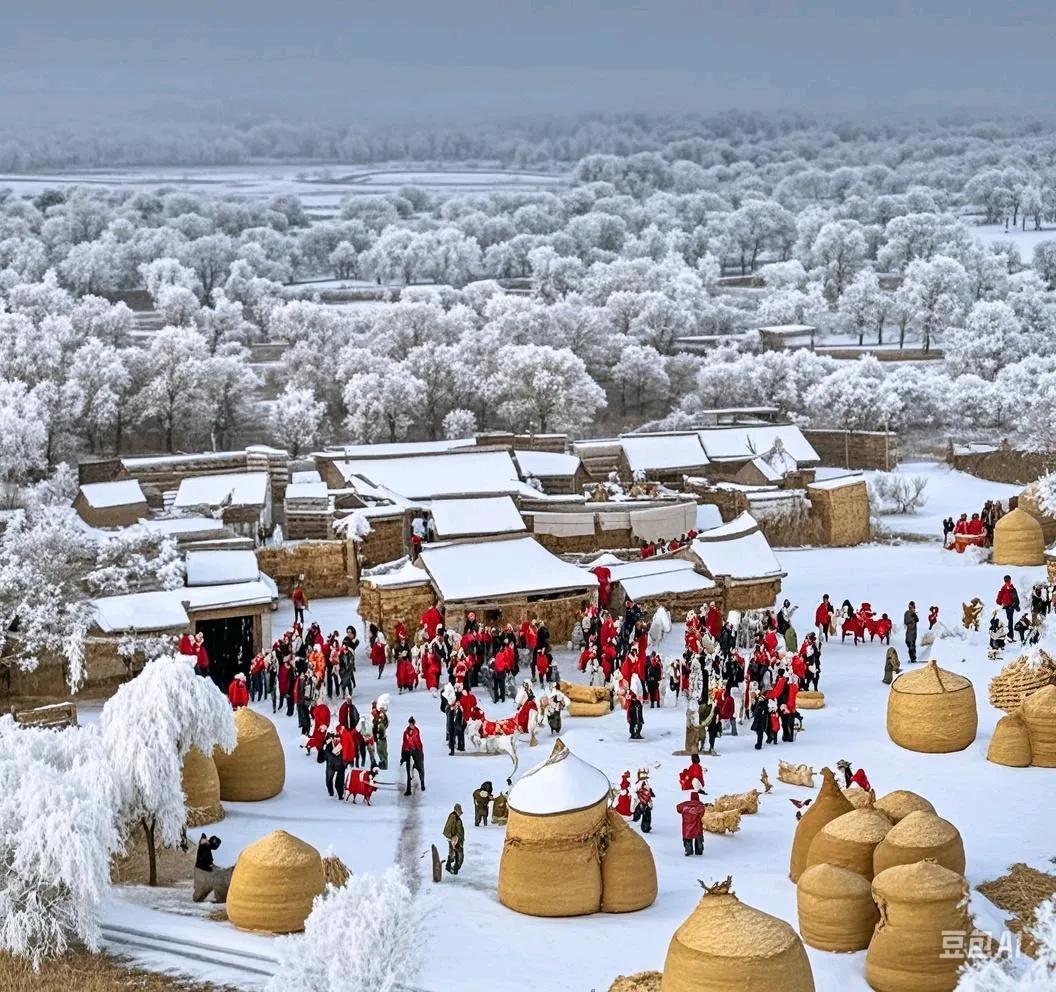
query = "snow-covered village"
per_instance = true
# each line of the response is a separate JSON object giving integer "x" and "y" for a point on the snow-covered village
{"x": 542, "y": 495}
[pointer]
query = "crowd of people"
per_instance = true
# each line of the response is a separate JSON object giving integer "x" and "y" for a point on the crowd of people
{"x": 976, "y": 529}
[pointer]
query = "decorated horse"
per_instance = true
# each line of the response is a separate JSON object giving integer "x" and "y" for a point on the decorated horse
{"x": 495, "y": 737}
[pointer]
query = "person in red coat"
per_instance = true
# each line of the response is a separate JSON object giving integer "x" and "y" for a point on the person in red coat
{"x": 378, "y": 654}
{"x": 623, "y": 800}
{"x": 692, "y": 777}
{"x": 285, "y": 677}
{"x": 187, "y": 645}
{"x": 933, "y": 616}
{"x": 604, "y": 576}
{"x": 406, "y": 676}
{"x": 431, "y": 620}
{"x": 858, "y": 778}
{"x": 431, "y": 670}
{"x": 361, "y": 783}
{"x": 412, "y": 754}
{"x": 691, "y": 811}
{"x": 823, "y": 616}
{"x": 299, "y": 600}
{"x": 237, "y": 692}
{"x": 728, "y": 711}
{"x": 320, "y": 725}
{"x": 201, "y": 664}
{"x": 713, "y": 621}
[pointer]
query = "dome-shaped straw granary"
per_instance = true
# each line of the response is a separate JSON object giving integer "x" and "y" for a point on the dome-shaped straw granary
{"x": 725, "y": 946}
{"x": 555, "y": 837}
{"x": 836, "y": 909}
{"x": 849, "y": 841}
{"x": 1018, "y": 540}
{"x": 1021, "y": 678}
{"x": 274, "y": 883}
{"x": 628, "y": 872}
{"x": 829, "y": 803}
{"x": 918, "y": 903}
{"x": 201, "y": 789}
{"x": 1029, "y": 502}
{"x": 932, "y": 711}
{"x": 256, "y": 768}
{"x": 1010, "y": 745}
{"x": 859, "y": 798}
{"x": 900, "y": 803}
{"x": 1039, "y": 714}
{"x": 917, "y": 837}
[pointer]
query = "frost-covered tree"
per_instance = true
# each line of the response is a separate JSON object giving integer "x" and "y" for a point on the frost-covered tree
{"x": 162, "y": 272}
{"x": 23, "y": 435}
{"x": 459, "y": 423}
{"x": 1044, "y": 260}
{"x": 856, "y": 397}
{"x": 147, "y": 728}
{"x": 554, "y": 275}
{"x": 57, "y": 838}
{"x": 383, "y": 406}
{"x": 837, "y": 254}
{"x": 865, "y": 304}
{"x": 173, "y": 397}
{"x": 639, "y": 378}
{"x": 296, "y": 419}
{"x": 545, "y": 389}
{"x": 938, "y": 290}
{"x": 991, "y": 338}
{"x": 379, "y": 925}
{"x": 99, "y": 389}
{"x": 177, "y": 305}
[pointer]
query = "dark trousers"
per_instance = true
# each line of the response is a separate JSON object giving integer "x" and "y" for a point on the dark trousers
{"x": 771, "y": 735}
{"x": 645, "y": 817}
{"x": 811, "y": 679}
{"x": 1010, "y": 612}
{"x": 455, "y": 857}
{"x": 335, "y": 778}
{"x": 416, "y": 760}
{"x": 759, "y": 740}
{"x": 787, "y": 722}
{"x": 333, "y": 681}
{"x": 304, "y": 718}
{"x": 298, "y": 614}
{"x": 911, "y": 647}
{"x": 457, "y": 737}
{"x": 256, "y": 686}
{"x": 635, "y": 721}
{"x": 693, "y": 845}
{"x": 713, "y": 732}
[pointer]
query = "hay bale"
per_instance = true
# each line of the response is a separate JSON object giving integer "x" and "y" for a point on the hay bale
{"x": 201, "y": 789}
{"x": 917, "y": 903}
{"x": 899, "y": 804}
{"x": 849, "y": 841}
{"x": 584, "y": 693}
{"x": 806, "y": 700}
{"x": 642, "y": 981}
{"x": 1010, "y": 744}
{"x": 555, "y": 835}
{"x": 725, "y": 945}
{"x": 1020, "y": 892}
{"x": 256, "y": 768}
{"x": 919, "y": 836}
{"x": 274, "y": 883}
{"x": 792, "y": 774}
{"x": 628, "y": 872}
{"x": 335, "y": 871}
{"x": 1018, "y": 540}
{"x": 1020, "y": 678}
{"x": 932, "y": 711}
{"x": 589, "y": 709}
{"x": 1039, "y": 714}
{"x": 836, "y": 909}
{"x": 829, "y": 803}
{"x": 743, "y": 802}
{"x": 859, "y": 798}
{"x": 721, "y": 821}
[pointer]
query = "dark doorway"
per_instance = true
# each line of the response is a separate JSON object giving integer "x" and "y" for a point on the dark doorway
{"x": 229, "y": 642}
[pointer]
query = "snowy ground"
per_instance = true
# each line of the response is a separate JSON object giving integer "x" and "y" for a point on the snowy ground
{"x": 1002, "y": 813}
{"x": 1023, "y": 240}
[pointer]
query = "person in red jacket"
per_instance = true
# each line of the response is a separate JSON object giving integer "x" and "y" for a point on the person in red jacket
{"x": 187, "y": 645}
{"x": 378, "y": 653}
{"x": 412, "y": 754}
{"x": 713, "y": 621}
{"x": 692, "y": 777}
{"x": 823, "y": 616}
{"x": 728, "y": 711}
{"x": 431, "y": 620}
{"x": 201, "y": 655}
{"x": 320, "y": 725}
{"x": 299, "y": 600}
{"x": 858, "y": 778}
{"x": 691, "y": 811}
{"x": 1008, "y": 600}
{"x": 237, "y": 692}
{"x": 933, "y": 616}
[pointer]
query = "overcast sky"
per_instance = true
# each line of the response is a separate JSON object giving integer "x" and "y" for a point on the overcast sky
{"x": 465, "y": 60}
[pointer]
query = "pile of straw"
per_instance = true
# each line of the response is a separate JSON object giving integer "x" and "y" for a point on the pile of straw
{"x": 576, "y": 708}
{"x": 201, "y": 789}
{"x": 1020, "y": 679}
{"x": 642, "y": 981}
{"x": 1020, "y": 892}
{"x": 725, "y": 945}
{"x": 256, "y": 768}
{"x": 897, "y": 805}
{"x": 721, "y": 821}
{"x": 335, "y": 871}
{"x": 1039, "y": 714}
{"x": 918, "y": 903}
{"x": 1010, "y": 744}
{"x": 859, "y": 798}
{"x": 932, "y": 711}
{"x": 274, "y": 883}
{"x": 1018, "y": 540}
{"x": 743, "y": 802}
{"x": 809, "y": 700}
{"x": 836, "y": 909}
{"x": 585, "y": 693}
{"x": 792, "y": 774}
{"x": 917, "y": 837}
{"x": 829, "y": 803}
{"x": 849, "y": 841}
{"x": 628, "y": 872}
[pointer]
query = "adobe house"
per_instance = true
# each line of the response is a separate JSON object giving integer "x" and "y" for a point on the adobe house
{"x": 111, "y": 504}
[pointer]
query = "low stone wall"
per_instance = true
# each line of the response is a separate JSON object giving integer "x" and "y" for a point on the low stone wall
{"x": 1003, "y": 464}
{"x": 855, "y": 449}
{"x": 751, "y": 596}
{"x": 387, "y": 606}
{"x": 384, "y": 543}
{"x": 559, "y": 614}
{"x": 329, "y": 567}
{"x": 105, "y": 670}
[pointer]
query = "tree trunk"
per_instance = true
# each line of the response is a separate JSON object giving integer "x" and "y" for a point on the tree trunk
{"x": 861, "y": 336}
{"x": 152, "y": 854}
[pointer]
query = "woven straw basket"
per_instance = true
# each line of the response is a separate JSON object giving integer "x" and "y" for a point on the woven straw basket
{"x": 917, "y": 904}
{"x": 932, "y": 711}
{"x": 1039, "y": 714}
{"x": 1019, "y": 679}
{"x": 917, "y": 837}
{"x": 807, "y": 700}
{"x": 1018, "y": 540}
{"x": 725, "y": 946}
{"x": 1010, "y": 744}
{"x": 628, "y": 872}
{"x": 201, "y": 789}
{"x": 256, "y": 769}
{"x": 576, "y": 708}
{"x": 274, "y": 883}
{"x": 829, "y": 804}
{"x": 899, "y": 804}
{"x": 836, "y": 909}
{"x": 849, "y": 841}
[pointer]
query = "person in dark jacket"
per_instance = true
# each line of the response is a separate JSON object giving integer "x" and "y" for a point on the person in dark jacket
{"x": 335, "y": 766}
{"x": 760, "y": 720}
{"x": 910, "y": 621}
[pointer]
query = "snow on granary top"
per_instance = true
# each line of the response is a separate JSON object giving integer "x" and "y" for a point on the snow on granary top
{"x": 561, "y": 784}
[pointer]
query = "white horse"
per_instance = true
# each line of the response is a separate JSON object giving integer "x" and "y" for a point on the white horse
{"x": 495, "y": 737}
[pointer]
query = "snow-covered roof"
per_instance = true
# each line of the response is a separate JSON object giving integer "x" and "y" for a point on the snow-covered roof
{"x": 309, "y": 475}
{"x": 307, "y": 490}
{"x": 788, "y": 328}
{"x": 397, "y": 448}
{"x": 407, "y": 574}
{"x": 472, "y": 517}
{"x": 744, "y": 441}
{"x": 737, "y": 550}
{"x": 425, "y": 476}
{"x": 153, "y": 461}
{"x": 160, "y": 610}
{"x": 228, "y": 596}
{"x": 234, "y": 488}
{"x": 213, "y": 568}
{"x": 561, "y": 784}
{"x": 606, "y": 558}
{"x": 476, "y": 570}
{"x": 547, "y": 464}
{"x": 838, "y": 482}
{"x": 102, "y": 495}
{"x": 708, "y": 516}
{"x": 766, "y": 470}
{"x": 664, "y": 452}
{"x": 666, "y": 583}
{"x": 648, "y": 566}
{"x": 182, "y": 525}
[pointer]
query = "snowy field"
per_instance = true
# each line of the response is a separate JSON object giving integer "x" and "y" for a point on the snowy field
{"x": 1023, "y": 240}
{"x": 1004, "y": 814}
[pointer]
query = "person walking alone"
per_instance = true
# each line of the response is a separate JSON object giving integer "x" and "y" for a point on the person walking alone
{"x": 910, "y": 619}
{"x": 1008, "y": 600}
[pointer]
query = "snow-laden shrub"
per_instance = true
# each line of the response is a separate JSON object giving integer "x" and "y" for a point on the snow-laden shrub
{"x": 893, "y": 492}
{"x": 459, "y": 423}
{"x": 376, "y": 922}
{"x": 57, "y": 835}
{"x": 1018, "y": 972}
